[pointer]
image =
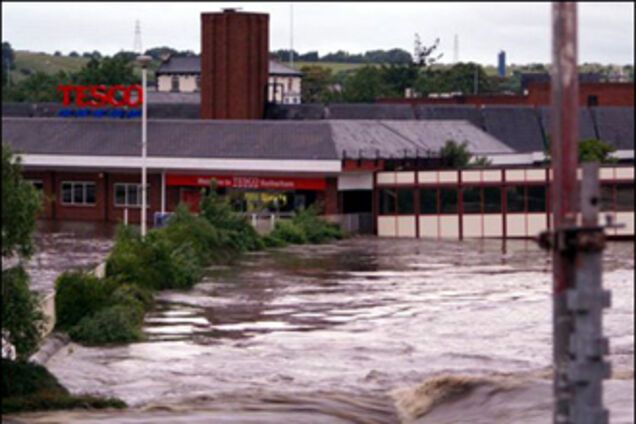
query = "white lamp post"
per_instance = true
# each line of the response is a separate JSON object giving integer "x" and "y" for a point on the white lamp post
{"x": 143, "y": 61}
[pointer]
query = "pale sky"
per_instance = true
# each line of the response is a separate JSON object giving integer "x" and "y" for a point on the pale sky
{"x": 606, "y": 30}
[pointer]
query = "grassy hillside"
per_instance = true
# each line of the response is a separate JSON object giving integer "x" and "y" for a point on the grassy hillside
{"x": 334, "y": 66}
{"x": 29, "y": 61}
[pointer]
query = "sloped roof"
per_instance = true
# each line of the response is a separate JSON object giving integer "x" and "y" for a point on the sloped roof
{"x": 368, "y": 111}
{"x": 586, "y": 124}
{"x": 615, "y": 126}
{"x": 518, "y": 127}
{"x": 454, "y": 112}
{"x": 324, "y": 139}
{"x": 192, "y": 65}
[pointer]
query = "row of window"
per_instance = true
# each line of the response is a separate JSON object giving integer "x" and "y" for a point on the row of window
{"x": 480, "y": 200}
{"x": 82, "y": 193}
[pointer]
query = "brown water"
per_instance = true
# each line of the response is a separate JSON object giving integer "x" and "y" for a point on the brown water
{"x": 362, "y": 331}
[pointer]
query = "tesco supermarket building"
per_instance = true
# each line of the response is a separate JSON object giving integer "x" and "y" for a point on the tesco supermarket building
{"x": 371, "y": 167}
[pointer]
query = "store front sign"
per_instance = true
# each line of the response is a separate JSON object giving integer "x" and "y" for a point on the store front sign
{"x": 247, "y": 182}
{"x": 114, "y": 101}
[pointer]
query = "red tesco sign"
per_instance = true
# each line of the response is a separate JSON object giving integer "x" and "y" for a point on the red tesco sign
{"x": 102, "y": 95}
{"x": 247, "y": 182}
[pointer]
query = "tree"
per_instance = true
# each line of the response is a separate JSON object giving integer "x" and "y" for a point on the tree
{"x": 8, "y": 56}
{"x": 399, "y": 77}
{"x": 108, "y": 71}
{"x": 589, "y": 150}
{"x": 423, "y": 56}
{"x": 57, "y": 53}
{"x": 316, "y": 83}
{"x": 457, "y": 156}
{"x": 366, "y": 85}
{"x": 73, "y": 54}
{"x": 21, "y": 202}
{"x": 159, "y": 53}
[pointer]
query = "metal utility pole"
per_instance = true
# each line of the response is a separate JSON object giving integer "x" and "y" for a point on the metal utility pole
{"x": 578, "y": 298}
{"x": 144, "y": 61}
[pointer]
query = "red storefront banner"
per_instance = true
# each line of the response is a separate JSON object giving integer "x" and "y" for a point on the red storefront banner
{"x": 247, "y": 182}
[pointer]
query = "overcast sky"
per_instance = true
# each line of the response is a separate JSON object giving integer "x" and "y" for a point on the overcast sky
{"x": 606, "y": 30}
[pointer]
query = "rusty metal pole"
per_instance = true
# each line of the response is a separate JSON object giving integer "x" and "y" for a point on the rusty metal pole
{"x": 564, "y": 188}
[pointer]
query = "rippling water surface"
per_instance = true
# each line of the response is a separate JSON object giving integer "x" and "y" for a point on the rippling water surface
{"x": 362, "y": 331}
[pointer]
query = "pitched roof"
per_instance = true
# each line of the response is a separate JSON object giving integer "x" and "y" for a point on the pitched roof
{"x": 192, "y": 65}
{"x": 323, "y": 139}
{"x": 368, "y": 111}
{"x": 615, "y": 126}
{"x": 518, "y": 127}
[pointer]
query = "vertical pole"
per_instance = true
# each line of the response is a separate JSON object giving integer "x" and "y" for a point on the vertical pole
{"x": 144, "y": 119}
{"x": 163, "y": 191}
{"x": 564, "y": 188}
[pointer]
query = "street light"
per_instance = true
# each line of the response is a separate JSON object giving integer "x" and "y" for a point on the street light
{"x": 143, "y": 60}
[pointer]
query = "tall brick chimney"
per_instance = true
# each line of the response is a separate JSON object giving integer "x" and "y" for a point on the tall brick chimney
{"x": 234, "y": 64}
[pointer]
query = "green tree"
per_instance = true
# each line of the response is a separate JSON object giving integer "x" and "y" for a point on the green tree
{"x": 589, "y": 150}
{"x": 366, "y": 85}
{"x": 316, "y": 83}
{"x": 21, "y": 202}
{"x": 108, "y": 71}
{"x": 456, "y": 156}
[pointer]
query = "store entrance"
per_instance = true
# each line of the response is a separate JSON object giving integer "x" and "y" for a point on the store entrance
{"x": 265, "y": 201}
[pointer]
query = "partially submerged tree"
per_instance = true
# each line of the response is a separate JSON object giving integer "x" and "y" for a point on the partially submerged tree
{"x": 21, "y": 316}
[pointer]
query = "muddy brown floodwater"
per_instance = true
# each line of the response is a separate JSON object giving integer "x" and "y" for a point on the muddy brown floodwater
{"x": 361, "y": 331}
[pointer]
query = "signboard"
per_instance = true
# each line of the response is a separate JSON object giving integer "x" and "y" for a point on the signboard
{"x": 114, "y": 101}
{"x": 247, "y": 182}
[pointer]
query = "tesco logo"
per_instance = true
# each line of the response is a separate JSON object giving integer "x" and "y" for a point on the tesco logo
{"x": 102, "y": 95}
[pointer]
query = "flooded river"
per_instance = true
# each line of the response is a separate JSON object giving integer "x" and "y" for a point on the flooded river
{"x": 362, "y": 331}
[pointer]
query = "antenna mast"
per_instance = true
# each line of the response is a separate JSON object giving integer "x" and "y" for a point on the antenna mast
{"x": 137, "y": 42}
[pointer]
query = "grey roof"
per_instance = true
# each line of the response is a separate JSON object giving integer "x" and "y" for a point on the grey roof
{"x": 544, "y": 78}
{"x": 323, "y": 139}
{"x": 192, "y": 65}
{"x": 173, "y": 97}
{"x": 296, "y": 111}
{"x": 455, "y": 112}
{"x": 615, "y": 126}
{"x": 586, "y": 124}
{"x": 409, "y": 138}
{"x": 368, "y": 111}
{"x": 518, "y": 127}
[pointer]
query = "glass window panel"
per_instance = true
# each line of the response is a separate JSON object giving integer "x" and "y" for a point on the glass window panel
{"x": 607, "y": 197}
{"x": 405, "y": 201}
{"x": 67, "y": 193}
{"x": 448, "y": 200}
{"x": 133, "y": 199}
{"x": 492, "y": 200}
{"x": 120, "y": 194}
{"x": 472, "y": 199}
{"x": 536, "y": 199}
{"x": 78, "y": 193}
{"x": 387, "y": 201}
{"x": 624, "y": 197}
{"x": 90, "y": 193}
{"x": 515, "y": 199}
{"x": 428, "y": 201}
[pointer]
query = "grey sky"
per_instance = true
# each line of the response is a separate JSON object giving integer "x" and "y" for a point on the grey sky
{"x": 606, "y": 30}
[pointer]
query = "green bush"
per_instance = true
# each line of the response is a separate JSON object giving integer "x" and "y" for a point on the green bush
{"x": 115, "y": 324}
{"x": 154, "y": 262}
{"x": 21, "y": 314}
{"x": 289, "y": 232}
{"x": 271, "y": 240}
{"x": 80, "y": 294}
{"x": 31, "y": 387}
{"x": 315, "y": 228}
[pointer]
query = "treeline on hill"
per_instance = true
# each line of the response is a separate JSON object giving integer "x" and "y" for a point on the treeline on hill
{"x": 97, "y": 311}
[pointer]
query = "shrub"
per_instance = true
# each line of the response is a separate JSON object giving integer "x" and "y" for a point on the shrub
{"x": 115, "y": 324}
{"x": 21, "y": 314}
{"x": 271, "y": 240}
{"x": 316, "y": 229}
{"x": 80, "y": 294}
{"x": 31, "y": 387}
{"x": 289, "y": 232}
{"x": 153, "y": 262}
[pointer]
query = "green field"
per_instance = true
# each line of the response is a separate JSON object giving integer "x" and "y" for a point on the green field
{"x": 43, "y": 62}
{"x": 334, "y": 66}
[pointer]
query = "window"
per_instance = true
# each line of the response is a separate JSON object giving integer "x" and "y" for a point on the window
{"x": 388, "y": 197}
{"x": 472, "y": 199}
{"x": 448, "y": 200}
{"x": 607, "y": 197}
{"x": 198, "y": 82}
{"x": 175, "y": 83}
{"x": 428, "y": 201}
{"x": 129, "y": 194}
{"x": 405, "y": 201}
{"x": 515, "y": 201}
{"x": 536, "y": 199}
{"x": 78, "y": 193}
{"x": 624, "y": 197}
{"x": 37, "y": 184}
{"x": 492, "y": 200}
